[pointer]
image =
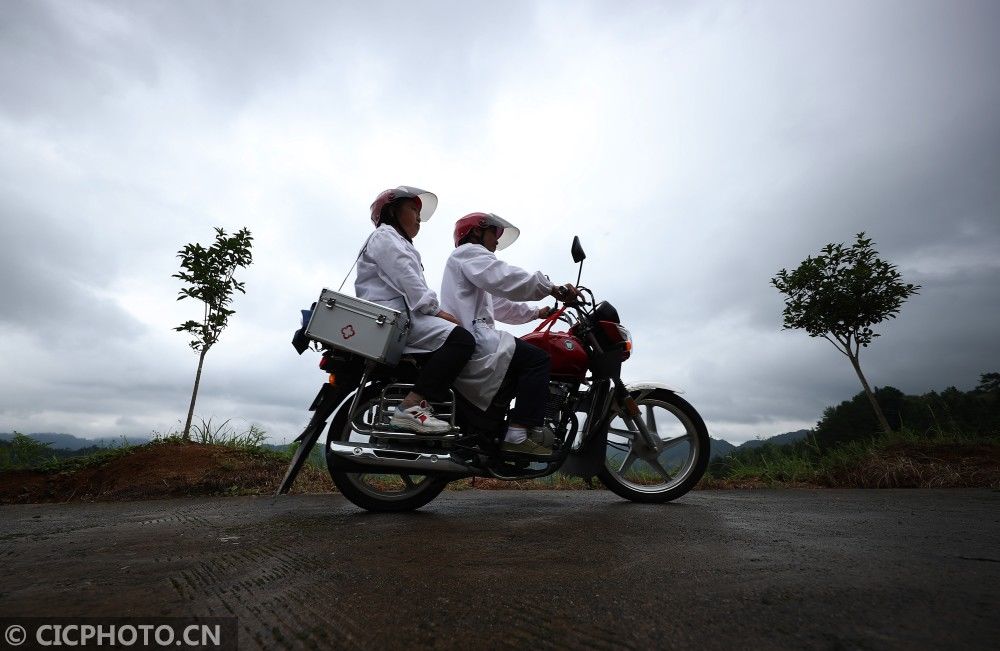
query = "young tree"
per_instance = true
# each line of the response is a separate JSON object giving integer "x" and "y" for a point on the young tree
{"x": 209, "y": 275}
{"x": 839, "y": 295}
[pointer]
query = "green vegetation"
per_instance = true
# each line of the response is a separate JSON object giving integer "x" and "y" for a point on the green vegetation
{"x": 251, "y": 440}
{"x": 951, "y": 438}
{"x": 207, "y": 433}
{"x": 228, "y": 462}
{"x": 950, "y": 413}
{"x": 91, "y": 459}
{"x": 899, "y": 459}
{"x": 947, "y": 438}
{"x": 25, "y": 453}
{"x": 316, "y": 458}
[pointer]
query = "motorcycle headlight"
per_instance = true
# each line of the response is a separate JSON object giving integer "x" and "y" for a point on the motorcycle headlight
{"x": 616, "y": 333}
{"x": 627, "y": 338}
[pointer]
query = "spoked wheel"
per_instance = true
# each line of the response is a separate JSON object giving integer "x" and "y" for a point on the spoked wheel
{"x": 635, "y": 471}
{"x": 375, "y": 491}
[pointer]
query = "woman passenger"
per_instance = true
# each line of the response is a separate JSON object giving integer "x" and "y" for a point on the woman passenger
{"x": 390, "y": 273}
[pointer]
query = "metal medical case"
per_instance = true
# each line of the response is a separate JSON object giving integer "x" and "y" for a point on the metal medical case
{"x": 358, "y": 326}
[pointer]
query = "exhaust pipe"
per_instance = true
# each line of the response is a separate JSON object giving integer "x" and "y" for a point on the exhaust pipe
{"x": 358, "y": 457}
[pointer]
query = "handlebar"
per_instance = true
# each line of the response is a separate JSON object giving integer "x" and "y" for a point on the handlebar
{"x": 573, "y": 301}
{"x": 580, "y": 301}
{"x": 579, "y": 304}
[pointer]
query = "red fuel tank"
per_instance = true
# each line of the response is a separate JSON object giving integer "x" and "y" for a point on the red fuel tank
{"x": 569, "y": 359}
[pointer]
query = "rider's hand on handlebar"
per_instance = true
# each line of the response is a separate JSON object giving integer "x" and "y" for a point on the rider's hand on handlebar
{"x": 544, "y": 312}
{"x": 566, "y": 293}
{"x": 448, "y": 317}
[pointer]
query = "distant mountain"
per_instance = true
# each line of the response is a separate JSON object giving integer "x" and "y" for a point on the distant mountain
{"x": 721, "y": 448}
{"x": 70, "y": 442}
{"x": 778, "y": 439}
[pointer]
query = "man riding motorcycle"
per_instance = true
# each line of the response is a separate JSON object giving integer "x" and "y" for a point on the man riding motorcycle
{"x": 479, "y": 290}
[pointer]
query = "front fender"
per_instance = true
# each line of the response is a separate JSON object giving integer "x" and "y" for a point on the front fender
{"x": 650, "y": 386}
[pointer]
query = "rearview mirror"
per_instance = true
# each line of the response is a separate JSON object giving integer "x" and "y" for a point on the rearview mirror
{"x": 578, "y": 254}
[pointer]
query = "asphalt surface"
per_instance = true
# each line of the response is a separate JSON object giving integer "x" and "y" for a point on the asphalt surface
{"x": 824, "y": 569}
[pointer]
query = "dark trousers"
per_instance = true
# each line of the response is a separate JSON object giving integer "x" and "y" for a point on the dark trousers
{"x": 440, "y": 368}
{"x": 530, "y": 366}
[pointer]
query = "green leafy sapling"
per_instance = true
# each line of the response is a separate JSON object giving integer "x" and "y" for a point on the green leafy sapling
{"x": 840, "y": 295}
{"x": 209, "y": 274}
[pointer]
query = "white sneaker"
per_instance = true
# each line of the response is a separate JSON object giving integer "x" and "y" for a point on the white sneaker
{"x": 418, "y": 418}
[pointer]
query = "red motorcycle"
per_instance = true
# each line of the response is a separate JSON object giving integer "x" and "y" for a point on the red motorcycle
{"x": 643, "y": 441}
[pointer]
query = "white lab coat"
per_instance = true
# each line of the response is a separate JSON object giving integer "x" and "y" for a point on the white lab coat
{"x": 479, "y": 290}
{"x": 390, "y": 273}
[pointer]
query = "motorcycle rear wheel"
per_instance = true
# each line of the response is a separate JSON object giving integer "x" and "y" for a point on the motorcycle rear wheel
{"x": 377, "y": 491}
{"x": 634, "y": 471}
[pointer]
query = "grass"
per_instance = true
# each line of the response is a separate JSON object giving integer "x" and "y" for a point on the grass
{"x": 900, "y": 459}
{"x": 207, "y": 432}
{"x": 252, "y": 440}
{"x": 770, "y": 464}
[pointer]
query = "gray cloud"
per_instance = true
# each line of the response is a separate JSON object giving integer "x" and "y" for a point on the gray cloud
{"x": 696, "y": 147}
{"x": 51, "y": 282}
{"x": 61, "y": 62}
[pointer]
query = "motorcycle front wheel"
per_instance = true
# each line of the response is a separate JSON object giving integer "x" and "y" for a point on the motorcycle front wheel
{"x": 636, "y": 471}
{"x": 377, "y": 491}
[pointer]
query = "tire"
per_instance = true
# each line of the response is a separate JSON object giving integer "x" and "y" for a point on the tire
{"x": 633, "y": 471}
{"x": 385, "y": 493}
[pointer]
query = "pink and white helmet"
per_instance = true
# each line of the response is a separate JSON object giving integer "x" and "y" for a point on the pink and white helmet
{"x": 426, "y": 201}
{"x": 506, "y": 232}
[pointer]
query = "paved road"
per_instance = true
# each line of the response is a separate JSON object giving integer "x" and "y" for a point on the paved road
{"x": 582, "y": 569}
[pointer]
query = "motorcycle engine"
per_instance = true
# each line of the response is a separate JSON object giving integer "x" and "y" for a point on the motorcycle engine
{"x": 559, "y": 410}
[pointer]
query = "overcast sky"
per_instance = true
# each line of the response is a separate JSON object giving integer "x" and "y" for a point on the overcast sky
{"x": 695, "y": 147}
